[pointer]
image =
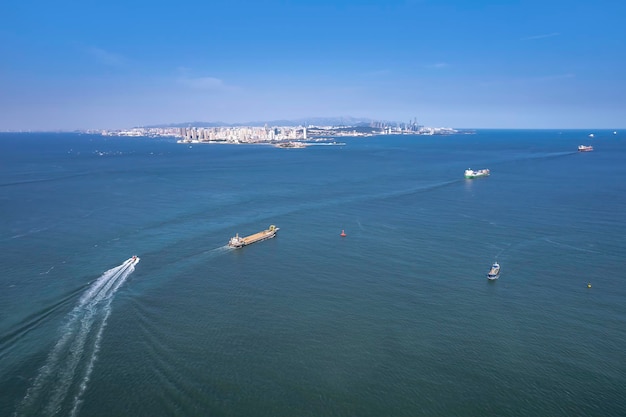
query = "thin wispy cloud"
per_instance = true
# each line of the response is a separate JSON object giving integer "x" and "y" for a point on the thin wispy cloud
{"x": 437, "y": 65}
{"x": 544, "y": 36}
{"x": 377, "y": 73}
{"x": 555, "y": 77}
{"x": 105, "y": 57}
{"x": 187, "y": 79}
{"x": 202, "y": 83}
{"x": 527, "y": 80}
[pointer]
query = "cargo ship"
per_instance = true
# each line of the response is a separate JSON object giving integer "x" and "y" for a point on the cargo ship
{"x": 238, "y": 242}
{"x": 471, "y": 174}
{"x": 583, "y": 148}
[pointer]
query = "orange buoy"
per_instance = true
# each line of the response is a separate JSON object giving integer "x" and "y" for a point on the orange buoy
{"x": 343, "y": 233}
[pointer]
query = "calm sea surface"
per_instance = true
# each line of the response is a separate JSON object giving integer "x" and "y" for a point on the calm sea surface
{"x": 395, "y": 319}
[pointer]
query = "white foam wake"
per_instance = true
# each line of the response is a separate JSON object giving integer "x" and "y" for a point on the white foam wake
{"x": 62, "y": 380}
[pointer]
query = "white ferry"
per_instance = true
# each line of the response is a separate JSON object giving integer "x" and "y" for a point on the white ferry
{"x": 471, "y": 174}
{"x": 494, "y": 272}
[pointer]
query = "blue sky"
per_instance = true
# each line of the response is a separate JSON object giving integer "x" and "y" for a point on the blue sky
{"x": 476, "y": 64}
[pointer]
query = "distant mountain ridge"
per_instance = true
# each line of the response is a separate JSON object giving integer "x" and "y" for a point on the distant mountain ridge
{"x": 317, "y": 121}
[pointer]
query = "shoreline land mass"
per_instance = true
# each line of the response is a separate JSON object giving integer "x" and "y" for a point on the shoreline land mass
{"x": 283, "y": 136}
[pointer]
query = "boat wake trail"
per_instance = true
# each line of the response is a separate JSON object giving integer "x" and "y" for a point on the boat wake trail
{"x": 503, "y": 249}
{"x": 570, "y": 246}
{"x": 62, "y": 380}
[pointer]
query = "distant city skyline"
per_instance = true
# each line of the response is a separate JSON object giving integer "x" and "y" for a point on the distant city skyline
{"x": 452, "y": 63}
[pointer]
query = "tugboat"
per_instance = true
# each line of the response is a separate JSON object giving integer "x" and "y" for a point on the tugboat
{"x": 494, "y": 272}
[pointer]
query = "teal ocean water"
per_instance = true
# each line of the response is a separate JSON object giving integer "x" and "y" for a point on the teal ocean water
{"x": 395, "y": 319}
